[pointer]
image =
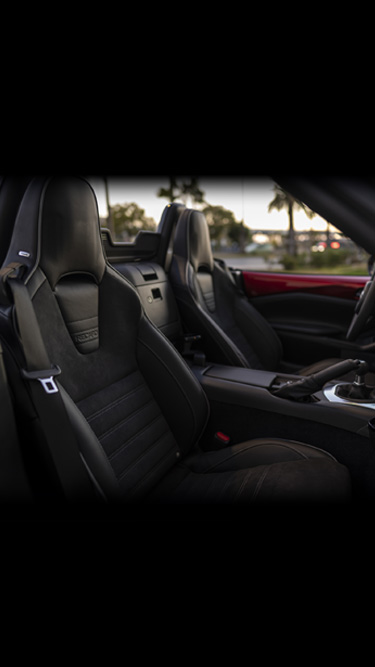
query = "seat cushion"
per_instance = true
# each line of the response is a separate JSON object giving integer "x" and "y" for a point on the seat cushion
{"x": 257, "y": 471}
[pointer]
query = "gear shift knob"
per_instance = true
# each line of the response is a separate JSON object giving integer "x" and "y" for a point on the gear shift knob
{"x": 357, "y": 389}
{"x": 360, "y": 373}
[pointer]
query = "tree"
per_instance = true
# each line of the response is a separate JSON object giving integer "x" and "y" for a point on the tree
{"x": 240, "y": 234}
{"x": 222, "y": 224}
{"x": 182, "y": 189}
{"x": 284, "y": 200}
{"x": 218, "y": 219}
{"x": 129, "y": 219}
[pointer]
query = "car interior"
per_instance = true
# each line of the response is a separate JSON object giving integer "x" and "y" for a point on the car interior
{"x": 142, "y": 377}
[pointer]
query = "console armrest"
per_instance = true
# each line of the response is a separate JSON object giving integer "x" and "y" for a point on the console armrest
{"x": 242, "y": 375}
{"x": 249, "y": 388}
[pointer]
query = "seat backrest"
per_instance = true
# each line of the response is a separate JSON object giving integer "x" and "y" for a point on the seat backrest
{"x": 211, "y": 304}
{"x": 135, "y": 407}
{"x": 12, "y": 189}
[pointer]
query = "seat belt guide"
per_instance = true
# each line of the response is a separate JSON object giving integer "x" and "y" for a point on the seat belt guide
{"x": 45, "y": 378}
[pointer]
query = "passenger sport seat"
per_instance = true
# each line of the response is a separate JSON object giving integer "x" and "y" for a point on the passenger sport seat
{"x": 167, "y": 229}
{"x": 211, "y": 304}
{"x": 136, "y": 410}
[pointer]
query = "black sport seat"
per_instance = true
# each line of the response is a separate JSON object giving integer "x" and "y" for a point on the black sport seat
{"x": 210, "y": 303}
{"x": 167, "y": 229}
{"x": 136, "y": 410}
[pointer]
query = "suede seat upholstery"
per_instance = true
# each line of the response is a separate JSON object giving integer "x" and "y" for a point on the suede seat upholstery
{"x": 233, "y": 331}
{"x": 136, "y": 408}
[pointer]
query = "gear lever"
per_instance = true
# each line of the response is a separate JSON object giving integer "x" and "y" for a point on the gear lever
{"x": 309, "y": 384}
{"x": 358, "y": 389}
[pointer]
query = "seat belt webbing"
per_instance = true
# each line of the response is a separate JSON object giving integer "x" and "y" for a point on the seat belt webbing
{"x": 62, "y": 443}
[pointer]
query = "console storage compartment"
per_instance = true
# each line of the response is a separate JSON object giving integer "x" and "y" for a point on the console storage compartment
{"x": 156, "y": 295}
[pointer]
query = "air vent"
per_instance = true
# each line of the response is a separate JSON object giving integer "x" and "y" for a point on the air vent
{"x": 150, "y": 276}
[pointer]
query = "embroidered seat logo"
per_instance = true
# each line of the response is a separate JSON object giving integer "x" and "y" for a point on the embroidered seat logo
{"x": 86, "y": 336}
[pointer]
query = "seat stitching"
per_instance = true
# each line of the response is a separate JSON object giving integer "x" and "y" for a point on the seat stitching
{"x": 229, "y": 479}
{"x": 144, "y": 453}
{"x": 235, "y": 454}
{"x": 260, "y": 483}
{"x": 144, "y": 479}
{"x": 135, "y": 436}
{"x": 114, "y": 403}
{"x": 243, "y": 486}
{"x": 107, "y": 386}
{"x": 127, "y": 418}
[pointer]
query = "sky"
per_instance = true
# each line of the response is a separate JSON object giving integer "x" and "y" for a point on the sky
{"x": 247, "y": 197}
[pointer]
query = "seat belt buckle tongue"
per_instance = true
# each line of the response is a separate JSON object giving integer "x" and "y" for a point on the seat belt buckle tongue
{"x": 49, "y": 385}
{"x": 45, "y": 378}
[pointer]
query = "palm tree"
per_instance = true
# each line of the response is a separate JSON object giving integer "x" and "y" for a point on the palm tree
{"x": 284, "y": 200}
{"x": 182, "y": 189}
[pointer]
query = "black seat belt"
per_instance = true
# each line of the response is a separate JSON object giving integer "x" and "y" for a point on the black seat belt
{"x": 75, "y": 479}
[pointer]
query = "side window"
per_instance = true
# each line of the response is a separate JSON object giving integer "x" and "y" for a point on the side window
{"x": 269, "y": 230}
{"x": 254, "y": 224}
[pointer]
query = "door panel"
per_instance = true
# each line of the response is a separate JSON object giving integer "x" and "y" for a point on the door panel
{"x": 310, "y": 326}
{"x": 259, "y": 284}
{"x": 310, "y": 313}
{"x": 306, "y": 313}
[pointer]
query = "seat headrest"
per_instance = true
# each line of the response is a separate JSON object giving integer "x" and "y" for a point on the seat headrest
{"x": 58, "y": 229}
{"x": 192, "y": 240}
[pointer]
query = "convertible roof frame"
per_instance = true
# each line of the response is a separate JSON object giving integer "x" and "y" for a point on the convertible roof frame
{"x": 346, "y": 202}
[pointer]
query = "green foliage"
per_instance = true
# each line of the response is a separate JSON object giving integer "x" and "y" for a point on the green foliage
{"x": 129, "y": 219}
{"x": 329, "y": 258}
{"x": 224, "y": 226}
{"x": 240, "y": 234}
{"x": 181, "y": 188}
{"x": 219, "y": 219}
{"x": 317, "y": 260}
{"x": 293, "y": 262}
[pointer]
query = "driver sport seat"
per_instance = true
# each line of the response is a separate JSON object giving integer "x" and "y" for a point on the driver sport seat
{"x": 233, "y": 331}
{"x": 136, "y": 409}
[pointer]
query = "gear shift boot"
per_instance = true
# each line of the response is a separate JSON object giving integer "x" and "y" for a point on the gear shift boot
{"x": 357, "y": 390}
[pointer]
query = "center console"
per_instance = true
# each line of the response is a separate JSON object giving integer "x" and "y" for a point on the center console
{"x": 261, "y": 390}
